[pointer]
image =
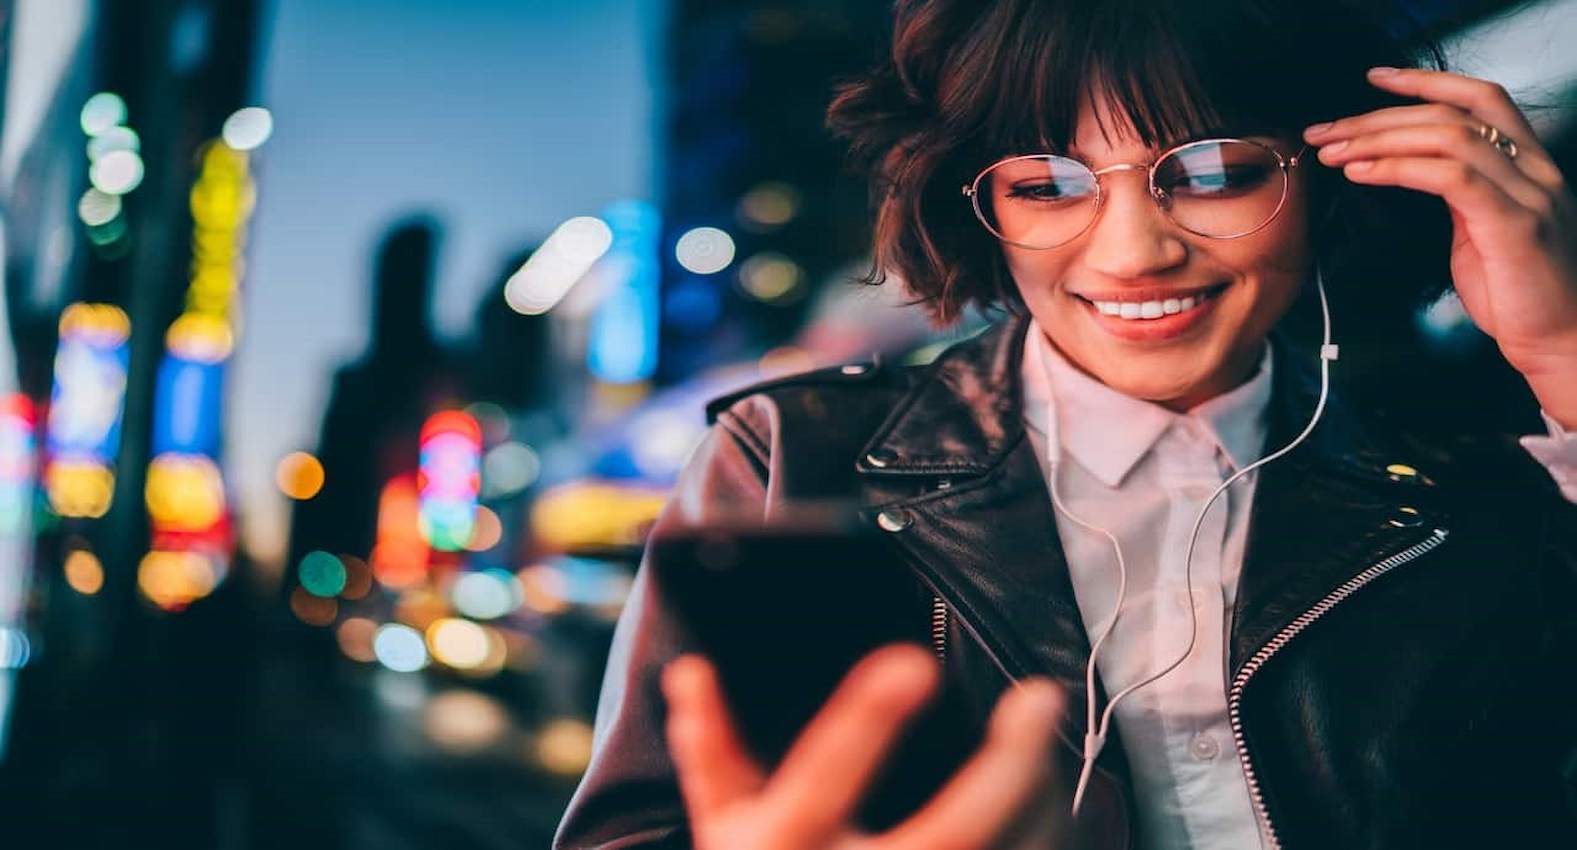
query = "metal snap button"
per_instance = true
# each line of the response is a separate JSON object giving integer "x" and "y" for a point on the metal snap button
{"x": 855, "y": 369}
{"x": 1406, "y": 517}
{"x": 894, "y": 520}
{"x": 1401, "y": 472}
{"x": 881, "y": 458}
{"x": 1204, "y": 747}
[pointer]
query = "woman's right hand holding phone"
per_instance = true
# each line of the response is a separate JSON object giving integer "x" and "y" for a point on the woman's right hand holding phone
{"x": 1003, "y": 791}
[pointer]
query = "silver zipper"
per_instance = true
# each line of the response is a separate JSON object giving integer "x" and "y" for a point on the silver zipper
{"x": 939, "y": 627}
{"x": 1304, "y": 620}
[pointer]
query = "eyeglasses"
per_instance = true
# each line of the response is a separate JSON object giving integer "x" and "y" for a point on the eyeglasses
{"x": 1218, "y": 188}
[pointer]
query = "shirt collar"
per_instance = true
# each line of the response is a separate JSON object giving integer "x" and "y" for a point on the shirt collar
{"x": 1109, "y": 432}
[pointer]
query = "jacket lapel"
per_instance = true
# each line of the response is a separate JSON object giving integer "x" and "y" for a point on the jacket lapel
{"x": 966, "y": 503}
{"x": 1346, "y": 498}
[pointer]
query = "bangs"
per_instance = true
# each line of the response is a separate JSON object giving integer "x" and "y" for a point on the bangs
{"x": 1169, "y": 71}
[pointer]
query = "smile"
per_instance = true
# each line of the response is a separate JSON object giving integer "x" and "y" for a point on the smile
{"x": 1156, "y": 320}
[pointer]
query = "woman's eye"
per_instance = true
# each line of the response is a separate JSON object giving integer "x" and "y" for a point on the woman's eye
{"x": 1218, "y": 181}
{"x": 1045, "y": 191}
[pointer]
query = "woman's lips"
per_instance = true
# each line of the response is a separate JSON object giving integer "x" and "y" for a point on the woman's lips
{"x": 1160, "y": 329}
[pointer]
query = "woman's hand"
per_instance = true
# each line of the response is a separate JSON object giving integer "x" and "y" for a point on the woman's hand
{"x": 808, "y": 802}
{"x": 1514, "y": 249}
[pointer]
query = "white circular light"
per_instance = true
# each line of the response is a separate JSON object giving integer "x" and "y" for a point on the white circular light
{"x": 705, "y": 250}
{"x": 399, "y": 648}
{"x": 584, "y": 238}
{"x": 113, "y": 139}
{"x": 101, "y": 112}
{"x": 248, "y": 128}
{"x": 509, "y": 468}
{"x": 486, "y": 595}
{"x": 98, "y": 208}
{"x": 116, "y": 172}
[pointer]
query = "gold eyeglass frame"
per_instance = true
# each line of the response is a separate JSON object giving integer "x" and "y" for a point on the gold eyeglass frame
{"x": 972, "y": 189}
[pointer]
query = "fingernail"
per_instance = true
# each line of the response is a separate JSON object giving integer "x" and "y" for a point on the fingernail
{"x": 1317, "y": 129}
{"x": 1382, "y": 71}
{"x": 1360, "y": 165}
{"x": 1335, "y": 147}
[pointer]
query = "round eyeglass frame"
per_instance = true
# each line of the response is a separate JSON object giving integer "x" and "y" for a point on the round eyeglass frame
{"x": 972, "y": 189}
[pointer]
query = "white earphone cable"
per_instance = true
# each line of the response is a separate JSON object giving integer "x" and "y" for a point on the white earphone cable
{"x": 1095, "y": 733}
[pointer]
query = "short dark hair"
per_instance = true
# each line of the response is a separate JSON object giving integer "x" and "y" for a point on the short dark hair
{"x": 967, "y": 82}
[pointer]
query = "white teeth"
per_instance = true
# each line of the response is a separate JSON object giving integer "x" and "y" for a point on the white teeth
{"x": 1151, "y": 309}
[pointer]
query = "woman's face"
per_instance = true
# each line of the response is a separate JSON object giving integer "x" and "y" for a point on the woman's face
{"x": 1134, "y": 253}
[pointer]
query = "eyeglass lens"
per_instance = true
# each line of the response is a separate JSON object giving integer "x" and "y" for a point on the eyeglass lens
{"x": 1216, "y": 188}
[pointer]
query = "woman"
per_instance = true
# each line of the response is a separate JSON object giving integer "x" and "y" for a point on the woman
{"x": 1276, "y": 619}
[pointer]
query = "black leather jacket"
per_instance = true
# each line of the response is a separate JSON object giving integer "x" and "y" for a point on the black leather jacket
{"x": 1403, "y": 653}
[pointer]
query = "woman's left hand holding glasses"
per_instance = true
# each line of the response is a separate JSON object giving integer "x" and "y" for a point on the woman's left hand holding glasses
{"x": 1514, "y": 245}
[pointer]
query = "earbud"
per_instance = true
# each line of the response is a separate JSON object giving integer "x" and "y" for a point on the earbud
{"x": 1096, "y": 732}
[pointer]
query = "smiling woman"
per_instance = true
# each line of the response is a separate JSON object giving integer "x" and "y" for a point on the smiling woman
{"x": 1141, "y": 486}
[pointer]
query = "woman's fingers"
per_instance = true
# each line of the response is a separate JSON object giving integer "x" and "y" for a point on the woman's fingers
{"x": 1453, "y": 99}
{"x": 713, "y": 767}
{"x": 825, "y": 773}
{"x": 1454, "y": 141}
{"x": 1487, "y": 101}
{"x": 1012, "y": 770}
{"x": 1481, "y": 202}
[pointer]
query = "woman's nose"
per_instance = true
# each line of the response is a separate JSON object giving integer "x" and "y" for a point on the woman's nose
{"x": 1131, "y": 236}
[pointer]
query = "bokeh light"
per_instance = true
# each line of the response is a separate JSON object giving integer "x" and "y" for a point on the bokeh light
{"x": 544, "y": 589}
{"x": 485, "y": 595}
{"x": 113, "y": 139}
{"x": 354, "y": 637}
{"x": 772, "y": 278}
{"x": 15, "y": 648}
{"x": 705, "y": 250}
{"x": 312, "y": 609}
{"x": 184, "y": 492}
{"x": 457, "y": 643}
{"x": 486, "y": 531}
{"x": 299, "y": 475}
{"x": 173, "y": 580}
{"x": 564, "y": 746}
{"x": 101, "y": 112}
{"x": 97, "y": 209}
{"x": 420, "y": 607}
{"x": 358, "y": 577}
{"x": 84, "y": 572}
{"x": 248, "y": 128}
{"x": 399, "y": 648}
{"x": 322, "y": 574}
{"x": 769, "y": 205}
{"x": 464, "y": 721}
{"x": 116, "y": 172}
{"x": 79, "y": 488}
{"x": 564, "y": 258}
{"x": 508, "y": 468}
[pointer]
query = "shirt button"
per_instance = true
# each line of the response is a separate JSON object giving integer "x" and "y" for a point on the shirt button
{"x": 1204, "y": 747}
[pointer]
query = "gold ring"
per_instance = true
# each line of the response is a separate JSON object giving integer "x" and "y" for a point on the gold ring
{"x": 1501, "y": 141}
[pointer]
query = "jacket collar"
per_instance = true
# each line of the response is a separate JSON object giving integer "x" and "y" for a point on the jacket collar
{"x": 966, "y": 501}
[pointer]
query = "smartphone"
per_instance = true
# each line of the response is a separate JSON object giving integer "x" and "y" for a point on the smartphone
{"x": 784, "y": 610}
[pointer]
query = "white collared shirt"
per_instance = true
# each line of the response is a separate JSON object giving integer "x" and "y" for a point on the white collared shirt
{"x": 1143, "y": 473}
